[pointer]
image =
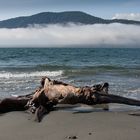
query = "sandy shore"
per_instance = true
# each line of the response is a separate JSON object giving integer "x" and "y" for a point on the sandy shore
{"x": 62, "y": 125}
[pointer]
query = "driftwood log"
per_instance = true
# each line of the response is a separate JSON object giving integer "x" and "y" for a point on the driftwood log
{"x": 15, "y": 103}
{"x": 54, "y": 92}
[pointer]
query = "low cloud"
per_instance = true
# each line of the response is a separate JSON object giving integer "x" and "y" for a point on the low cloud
{"x": 130, "y": 16}
{"x": 58, "y": 35}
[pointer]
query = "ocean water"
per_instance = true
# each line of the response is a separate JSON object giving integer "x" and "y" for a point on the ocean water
{"x": 22, "y": 68}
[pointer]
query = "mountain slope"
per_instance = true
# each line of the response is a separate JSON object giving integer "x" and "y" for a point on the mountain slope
{"x": 59, "y": 18}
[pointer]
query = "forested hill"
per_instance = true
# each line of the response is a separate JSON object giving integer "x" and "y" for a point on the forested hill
{"x": 76, "y": 17}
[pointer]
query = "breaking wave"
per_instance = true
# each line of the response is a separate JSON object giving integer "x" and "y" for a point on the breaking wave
{"x": 8, "y": 75}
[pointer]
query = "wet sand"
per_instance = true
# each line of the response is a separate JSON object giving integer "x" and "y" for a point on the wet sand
{"x": 63, "y": 125}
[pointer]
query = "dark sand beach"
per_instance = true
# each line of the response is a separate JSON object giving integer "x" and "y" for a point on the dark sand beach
{"x": 63, "y": 125}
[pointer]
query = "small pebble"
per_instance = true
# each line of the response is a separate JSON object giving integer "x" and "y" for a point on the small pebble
{"x": 72, "y": 137}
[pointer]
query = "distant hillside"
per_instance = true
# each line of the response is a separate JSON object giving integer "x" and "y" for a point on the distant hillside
{"x": 61, "y": 18}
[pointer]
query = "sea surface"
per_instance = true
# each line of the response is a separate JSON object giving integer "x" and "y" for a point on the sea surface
{"x": 22, "y": 68}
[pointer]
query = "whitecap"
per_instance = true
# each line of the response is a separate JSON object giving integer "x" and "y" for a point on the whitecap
{"x": 8, "y": 75}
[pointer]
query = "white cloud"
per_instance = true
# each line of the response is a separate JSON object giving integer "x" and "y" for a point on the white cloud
{"x": 98, "y": 34}
{"x": 130, "y": 16}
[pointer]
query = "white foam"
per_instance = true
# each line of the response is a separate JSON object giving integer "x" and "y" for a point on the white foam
{"x": 8, "y": 75}
{"x": 135, "y": 90}
{"x": 14, "y": 95}
{"x": 133, "y": 93}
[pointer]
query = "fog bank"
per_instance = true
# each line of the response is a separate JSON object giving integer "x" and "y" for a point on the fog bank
{"x": 53, "y": 35}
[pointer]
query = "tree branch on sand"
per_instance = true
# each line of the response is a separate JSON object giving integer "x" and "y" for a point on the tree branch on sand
{"x": 54, "y": 92}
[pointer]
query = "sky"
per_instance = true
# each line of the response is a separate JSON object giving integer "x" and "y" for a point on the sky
{"x": 58, "y": 35}
{"x": 100, "y": 8}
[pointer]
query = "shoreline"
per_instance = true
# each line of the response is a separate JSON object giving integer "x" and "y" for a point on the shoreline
{"x": 62, "y": 125}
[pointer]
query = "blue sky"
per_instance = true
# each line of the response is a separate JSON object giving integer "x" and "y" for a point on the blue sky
{"x": 101, "y": 8}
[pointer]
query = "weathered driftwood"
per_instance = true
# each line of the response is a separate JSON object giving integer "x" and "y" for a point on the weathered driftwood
{"x": 13, "y": 104}
{"x": 54, "y": 92}
{"x": 17, "y": 103}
